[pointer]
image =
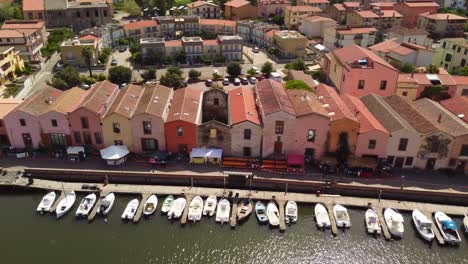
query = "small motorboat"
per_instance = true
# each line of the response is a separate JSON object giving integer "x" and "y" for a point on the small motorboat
{"x": 130, "y": 210}
{"x": 341, "y": 216}
{"x": 244, "y": 209}
{"x": 465, "y": 223}
{"x": 260, "y": 212}
{"x": 291, "y": 212}
{"x": 372, "y": 222}
{"x": 394, "y": 221}
{"x": 423, "y": 225}
{"x": 177, "y": 208}
{"x": 46, "y": 202}
{"x": 321, "y": 216}
{"x": 65, "y": 204}
{"x": 150, "y": 205}
{"x": 210, "y": 205}
{"x": 167, "y": 204}
{"x": 273, "y": 214}
{"x": 448, "y": 228}
{"x": 223, "y": 211}
{"x": 86, "y": 205}
{"x": 195, "y": 209}
{"x": 106, "y": 204}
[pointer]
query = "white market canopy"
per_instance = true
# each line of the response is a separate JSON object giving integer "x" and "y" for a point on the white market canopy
{"x": 114, "y": 152}
{"x": 206, "y": 153}
{"x": 75, "y": 150}
{"x": 320, "y": 47}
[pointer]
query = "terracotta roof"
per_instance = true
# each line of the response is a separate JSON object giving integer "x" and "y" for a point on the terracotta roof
{"x": 358, "y": 30}
{"x": 351, "y": 4}
{"x": 90, "y": 37}
{"x": 301, "y": 76}
{"x": 242, "y": 106}
{"x": 100, "y": 97}
{"x": 318, "y": 18}
{"x": 392, "y": 45}
{"x": 441, "y": 117}
{"x": 316, "y": 1}
{"x": 173, "y": 43}
{"x": 6, "y": 105}
{"x": 40, "y": 101}
{"x": 422, "y": 4}
{"x": 273, "y": 98}
{"x": 23, "y": 24}
{"x": 221, "y": 22}
{"x": 458, "y": 106}
{"x": 186, "y": 105}
{"x": 154, "y": 100}
{"x": 306, "y": 103}
{"x": 272, "y": 2}
{"x": 237, "y": 3}
{"x": 408, "y": 111}
{"x": 408, "y": 31}
{"x": 140, "y": 24}
{"x": 271, "y": 32}
{"x": 445, "y": 16}
{"x": 126, "y": 102}
{"x": 384, "y": 5}
{"x": 367, "y": 120}
{"x": 33, "y": 5}
{"x": 69, "y": 100}
{"x": 349, "y": 54}
{"x": 16, "y": 33}
{"x": 200, "y": 3}
{"x": 460, "y": 80}
{"x": 336, "y": 105}
{"x": 339, "y": 7}
{"x": 210, "y": 42}
{"x": 371, "y": 14}
{"x": 303, "y": 8}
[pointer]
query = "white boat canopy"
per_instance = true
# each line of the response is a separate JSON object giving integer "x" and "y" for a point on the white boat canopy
{"x": 115, "y": 155}
{"x": 211, "y": 155}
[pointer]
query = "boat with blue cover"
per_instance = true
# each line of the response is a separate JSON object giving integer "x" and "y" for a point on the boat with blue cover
{"x": 448, "y": 228}
{"x": 260, "y": 212}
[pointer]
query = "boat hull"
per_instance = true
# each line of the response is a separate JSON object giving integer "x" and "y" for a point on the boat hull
{"x": 321, "y": 216}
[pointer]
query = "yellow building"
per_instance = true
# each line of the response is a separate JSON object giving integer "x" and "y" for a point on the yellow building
{"x": 293, "y": 15}
{"x": 70, "y": 50}
{"x": 9, "y": 63}
{"x": 290, "y": 43}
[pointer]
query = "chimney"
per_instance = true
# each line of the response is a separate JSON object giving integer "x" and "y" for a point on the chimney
{"x": 439, "y": 119}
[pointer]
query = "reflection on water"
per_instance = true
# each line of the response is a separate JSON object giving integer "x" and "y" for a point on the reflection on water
{"x": 27, "y": 237}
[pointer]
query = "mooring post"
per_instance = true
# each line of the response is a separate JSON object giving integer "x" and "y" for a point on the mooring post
{"x": 191, "y": 182}
{"x": 286, "y": 188}
{"x": 380, "y": 194}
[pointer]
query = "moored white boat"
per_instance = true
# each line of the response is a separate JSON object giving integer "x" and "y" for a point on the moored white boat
{"x": 273, "y": 214}
{"x": 210, "y": 205}
{"x": 244, "y": 209}
{"x": 341, "y": 216}
{"x": 321, "y": 216}
{"x": 106, "y": 204}
{"x": 65, "y": 204}
{"x": 46, "y": 202}
{"x": 86, "y": 205}
{"x": 195, "y": 209}
{"x": 131, "y": 209}
{"x": 394, "y": 221}
{"x": 465, "y": 223}
{"x": 167, "y": 204}
{"x": 291, "y": 212}
{"x": 177, "y": 208}
{"x": 150, "y": 205}
{"x": 223, "y": 211}
{"x": 372, "y": 222}
{"x": 423, "y": 225}
{"x": 448, "y": 228}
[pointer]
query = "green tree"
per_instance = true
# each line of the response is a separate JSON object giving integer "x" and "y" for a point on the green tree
{"x": 298, "y": 85}
{"x": 218, "y": 58}
{"x": 66, "y": 78}
{"x": 251, "y": 72}
{"x": 267, "y": 68}
{"x": 175, "y": 70}
{"x": 317, "y": 75}
{"x": 181, "y": 57}
{"x": 342, "y": 151}
{"x": 297, "y": 64}
{"x": 432, "y": 92}
{"x": 10, "y": 11}
{"x": 278, "y": 20}
{"x": 120, "y": 75}
{"x": 172, "y": 80}
{"x": 55, "y": 39}
{"x": 87, "y": 54}
{"x": 433, "y": 69}
{"x": 407, "y": 68}
{"x": 463, "y": 71}
{"x": 131, "y": 7}
{"x": 105, "y": 54}
{"x": 234, "y": 69}
{"x": 194, "y": 74}
{"x": 149, "y": 74}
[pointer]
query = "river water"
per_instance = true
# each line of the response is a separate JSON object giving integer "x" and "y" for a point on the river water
{"x": 26, "y": 237}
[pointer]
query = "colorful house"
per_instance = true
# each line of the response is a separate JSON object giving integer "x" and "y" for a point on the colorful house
{"x": 117, "y": 126}
{"x": 149, "y": 117}
{"x": 397, "y": 53}
{"x": 412, "y": 9}
{"x": 246, "y": 130}
{"x": 6, "y": 106}
{"x": 373, "y": 137}
{"x": 181, "y": 123}
{"x": 413, "y": 85}
{"x": 239, "y": 9}
{"x": 269, "y": 8}
{"x": 85, "y": 120}
{"x": 457, "y": 106}
{"x": 9, "y": 63}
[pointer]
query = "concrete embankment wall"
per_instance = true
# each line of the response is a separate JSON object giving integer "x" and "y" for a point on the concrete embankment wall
{"x": 256, "y": 183}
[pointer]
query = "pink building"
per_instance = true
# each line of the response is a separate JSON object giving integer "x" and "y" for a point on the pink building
{"x": 412, "y": 9}
{"x": 358, "y": 72}
{"x": 373, "y": 137}
{"x": 149, "y": 117}
{"x": 269, "y": 8}
{"x": 85, "y": 120}
{"x": 423, "y": 81}
{"x": 278, "y": 117}
{"x": 6, "y": 106}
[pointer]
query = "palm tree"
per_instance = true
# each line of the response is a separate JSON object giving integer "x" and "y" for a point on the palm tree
{"x": 87, "y": 54}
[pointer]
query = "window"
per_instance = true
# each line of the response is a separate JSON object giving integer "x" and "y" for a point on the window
{"x": 87, "y": 13}
{"x": 448, "y": 57}
{"x": 22, "y": 122}
{"x": 213, "y": 133}
{"x": 452, "y": 162}
{"x": 279, "y": 127}
{"x": 78, "y": 14}
{"x": 40, "y": 16}
{"x": 57, "y": 139}
{"x": 87, "y": 138}
{"x": 383, "y": 85}
{"x": 116, "y": 127}
{"x": 149, "y": 144}
{"x": 459, "y": 49}
{"x": 464, "y": 150}
{"x": 462, "y": 63}
{"x": 311, "y": 135}
{"x": 105, "y": 13}
{"x": 77, "y": 136}
{"x": 96, "y": 13}
{"x": 361, "y": 84}
{"x": 84, "y": 123}
{"x": 403, "y": 144}
{"x": 54, "y": 122}
{"x": 30, "y": 15}
{"x": 435, "y": 146}
{"x": 405, "y": 94}
{"x": 216, "y": 101}
{"x": 247, "y": 151}
{"x": 97, "y": 138}
{"x": 247, "y": 134}
{"x": 146, "y": 127}
{"x": 372, "y": 144}
{"x": 409, "y": 161}
{"x": 180, "y": 131}
{"x": 390, "y": 159}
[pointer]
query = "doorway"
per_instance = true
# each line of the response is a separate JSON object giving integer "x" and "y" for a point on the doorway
{"x": 399, "y": 161}
{"x": 430, "y": 163}
{"x": 278, "y": 148}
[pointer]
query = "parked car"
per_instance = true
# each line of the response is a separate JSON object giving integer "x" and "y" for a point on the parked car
{"x": 114, "y": 62}
{"x": 225, "y": 81}
{"x": 244, "y": 80}
{"x": 84, "y": 86}
{"x": 122, "y": 48}
{"x": 256, "y": 50}
{"x": 209, "y": 83}
{"x": 237, "y": 81}
{"x": 58, "y": 66}
{"x": 253, "y": 80}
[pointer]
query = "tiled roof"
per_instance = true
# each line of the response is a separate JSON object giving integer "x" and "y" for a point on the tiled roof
{"x": 186, "y": 104}
{"x": 40, "y": 101}
{"x": 408, "y": 111}
{"x": 371, "y": 14}
{"x": 349, "y": 54}
{"x": 221, "y": 22}
{"x": 336, "y": 105}
{"x": 318, "y": 18}
{"x": 316, "y": 1}
{"x": 446, "y": 16}
{"x": 301, "y": 76}
{"x": 140, "y": 24}
{"x": 100, "y": 97}
{"x": 69, "y": 100}
{"x": 271, "y": 32}
{"x": 458, "y": 106}
{"x": 201, "y": 3}
{"x": 23, "y": 24}
{"x": 408, "y": 31}
{"x": 126, "y": 102}
{"x": 303, "y": 8}
{"x": 242, "y": 106}
{"x": 154, "y": 100}
{"x": 237, "y": 3}
{"x": 210, "y": 42}
{"x": 306, "y": 103}
{"x": 392, "y": 45}
{"x": 16, "y": 33}
{"x": 351, "y": 4}
{"x": 272, "y": 2}
{"x": 357, "y": 30}
{"x": 173, "y": 43}
{"x": 422, "y": 4}
{"x": 366, "y": 119}
{"x": 339, "y": 7}
{"x": 6, "y": 105}
{"x": 90, "y": 37}
{"x": 33, "y": 5}
{"x": 460, "y": 80}
{"x": 273, "y": 98}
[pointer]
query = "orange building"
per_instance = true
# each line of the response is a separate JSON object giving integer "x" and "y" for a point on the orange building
{"x": 239, "y": 9}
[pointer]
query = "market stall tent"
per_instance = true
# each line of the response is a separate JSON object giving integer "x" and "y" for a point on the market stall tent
{"x": 76, "y": 153}
{"x": 295, "y": 163}
{"x": 201, "y": 156}
{"x": 115, "y": 155}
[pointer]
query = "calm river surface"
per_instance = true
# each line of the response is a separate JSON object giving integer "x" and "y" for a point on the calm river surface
{"x": 26, "y": 237}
